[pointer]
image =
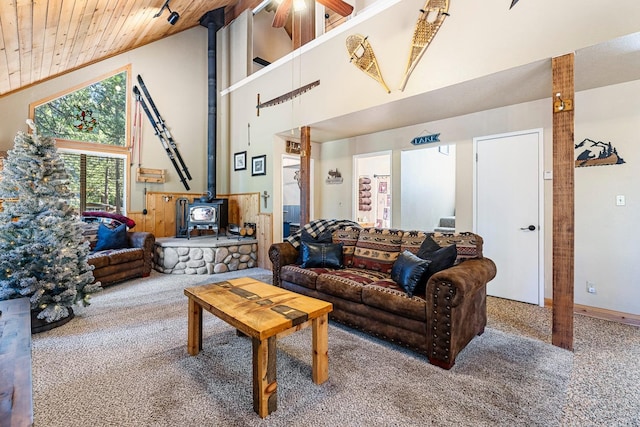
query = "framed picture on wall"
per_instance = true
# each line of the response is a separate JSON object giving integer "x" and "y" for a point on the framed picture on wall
{"x": 240, "y": 161}
{"x": 259, "y": 165}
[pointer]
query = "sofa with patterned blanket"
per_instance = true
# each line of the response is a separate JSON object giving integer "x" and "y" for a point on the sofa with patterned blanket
{"x": 117, "y": 253}
{"x": 426, "y": 291}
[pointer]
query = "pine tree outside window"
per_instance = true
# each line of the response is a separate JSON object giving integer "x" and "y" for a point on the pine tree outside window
{"x": 89, "y": 123}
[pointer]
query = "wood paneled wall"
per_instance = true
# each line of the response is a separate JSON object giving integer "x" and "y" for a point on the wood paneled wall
{"x": 265, "y": 239}
{"x": 161, "y": 211}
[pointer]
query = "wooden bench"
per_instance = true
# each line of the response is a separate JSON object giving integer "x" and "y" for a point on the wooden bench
{"x": 16, "y": 401}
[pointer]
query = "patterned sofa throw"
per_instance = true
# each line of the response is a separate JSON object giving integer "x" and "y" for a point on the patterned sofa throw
{"x": 377, "y": 249}
{"x": 319, "y": 226}
{"x": 467, "y": 244}
{"x": 348, "y": 236}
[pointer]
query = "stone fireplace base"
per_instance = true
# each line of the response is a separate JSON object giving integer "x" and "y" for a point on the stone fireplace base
{"x": 204, "y": 255}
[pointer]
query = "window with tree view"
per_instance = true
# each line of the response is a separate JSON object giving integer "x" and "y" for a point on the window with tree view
{"x": 90, "y": 126}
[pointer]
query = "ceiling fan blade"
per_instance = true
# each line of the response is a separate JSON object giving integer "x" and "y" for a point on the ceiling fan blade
{"x": 282, "y": 13}
{"x": 338, "y": 6}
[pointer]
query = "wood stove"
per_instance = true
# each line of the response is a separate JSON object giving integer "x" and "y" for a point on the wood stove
{"x": 201, "y": 214}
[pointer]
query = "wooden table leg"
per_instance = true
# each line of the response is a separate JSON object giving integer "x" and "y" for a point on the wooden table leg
{"x": 320, "y": 356}
{"x": 265, "y": 386}
{"x": 194, "y": 331}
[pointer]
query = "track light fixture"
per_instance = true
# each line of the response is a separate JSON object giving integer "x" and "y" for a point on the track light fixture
{"x": 173, "y": 16}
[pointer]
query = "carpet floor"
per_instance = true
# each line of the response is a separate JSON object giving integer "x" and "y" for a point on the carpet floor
{"x": 122, "y": 362}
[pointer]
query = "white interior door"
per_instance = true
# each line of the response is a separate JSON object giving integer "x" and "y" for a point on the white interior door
{"x": 508, "y": 212}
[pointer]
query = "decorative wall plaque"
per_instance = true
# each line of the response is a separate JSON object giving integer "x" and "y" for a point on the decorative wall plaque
{"x": 597, "y": 153}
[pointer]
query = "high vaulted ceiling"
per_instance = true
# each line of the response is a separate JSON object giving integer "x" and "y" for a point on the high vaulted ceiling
{"x": 44, "y": 38}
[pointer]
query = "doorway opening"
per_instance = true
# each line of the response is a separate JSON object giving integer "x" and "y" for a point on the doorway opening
{"x": 291, "y": 194}
{"x": 372, "y": 193}
{"x": 428, "y": 182}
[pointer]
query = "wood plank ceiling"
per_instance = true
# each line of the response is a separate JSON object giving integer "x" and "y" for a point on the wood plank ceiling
{"x": 41, "y": 39}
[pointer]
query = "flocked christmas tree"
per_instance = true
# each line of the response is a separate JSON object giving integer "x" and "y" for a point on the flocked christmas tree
{"x": 43, "y": 255}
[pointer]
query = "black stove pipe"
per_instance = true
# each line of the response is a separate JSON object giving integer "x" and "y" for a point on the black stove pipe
{"x": 213, "y": 20}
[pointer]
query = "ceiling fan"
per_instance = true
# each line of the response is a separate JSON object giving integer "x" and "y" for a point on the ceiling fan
{"x": 282, "y": 12}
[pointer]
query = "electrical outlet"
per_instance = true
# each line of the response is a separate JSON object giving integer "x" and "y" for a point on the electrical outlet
{"x": 591, "y": 287}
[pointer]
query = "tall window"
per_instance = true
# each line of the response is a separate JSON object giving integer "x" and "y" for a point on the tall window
{"x": 102, "y": 187}
{"x": 89, "y": 123}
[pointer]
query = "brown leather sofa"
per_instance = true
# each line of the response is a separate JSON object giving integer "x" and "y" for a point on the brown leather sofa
{"x": 438, "y": 322}
{"x": 129, "y": 254}
{"x": 117, "y": 265}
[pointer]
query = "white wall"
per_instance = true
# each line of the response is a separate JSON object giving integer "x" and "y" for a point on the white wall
{"x": 291, "y": 190}
{"x": 428, "y": 187}
{"x": 175, "y": 72}
{"x": 269, "y": 43}
{"x": 607, "y": 236}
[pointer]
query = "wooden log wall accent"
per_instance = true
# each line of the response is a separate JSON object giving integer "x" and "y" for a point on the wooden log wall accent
{"x": 563, "y": 205}
{"x": 265, "y": 239}
{"x": 305, "y": 174}
{"x": 161, "y": 211}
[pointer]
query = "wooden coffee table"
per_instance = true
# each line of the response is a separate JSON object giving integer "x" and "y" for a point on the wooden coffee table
{"x": 263, "y": 312}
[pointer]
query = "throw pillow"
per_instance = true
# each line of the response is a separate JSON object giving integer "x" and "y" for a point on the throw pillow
{"x": 408, "y": 271}
{"x": 111, "y": 238}
{"x": 441, "y": 259}
{"x": 428, "y": 246}
{"x": 324, "y": 255}
{"x": 121, "y": 218}
{"x": 322, "y": 237}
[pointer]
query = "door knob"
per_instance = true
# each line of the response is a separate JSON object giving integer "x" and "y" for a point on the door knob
{"x": 530, "y": 228}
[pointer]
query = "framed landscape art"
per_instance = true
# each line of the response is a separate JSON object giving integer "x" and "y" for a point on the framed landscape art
{"x": 240, "y": 161}
{"x": 259, "y": 165}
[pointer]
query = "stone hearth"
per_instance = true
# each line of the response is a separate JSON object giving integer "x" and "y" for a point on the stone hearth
{"x": 204, "y": 255}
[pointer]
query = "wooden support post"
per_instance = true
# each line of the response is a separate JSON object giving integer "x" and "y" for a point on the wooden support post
{"x": 305, "y": 174}
{"x": 563, "y": 204}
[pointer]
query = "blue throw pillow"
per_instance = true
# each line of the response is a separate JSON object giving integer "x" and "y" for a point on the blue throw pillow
{"x": 111, "y": 238}
{"x": 325, "y": 255}
{"x": 408, "y": 271}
